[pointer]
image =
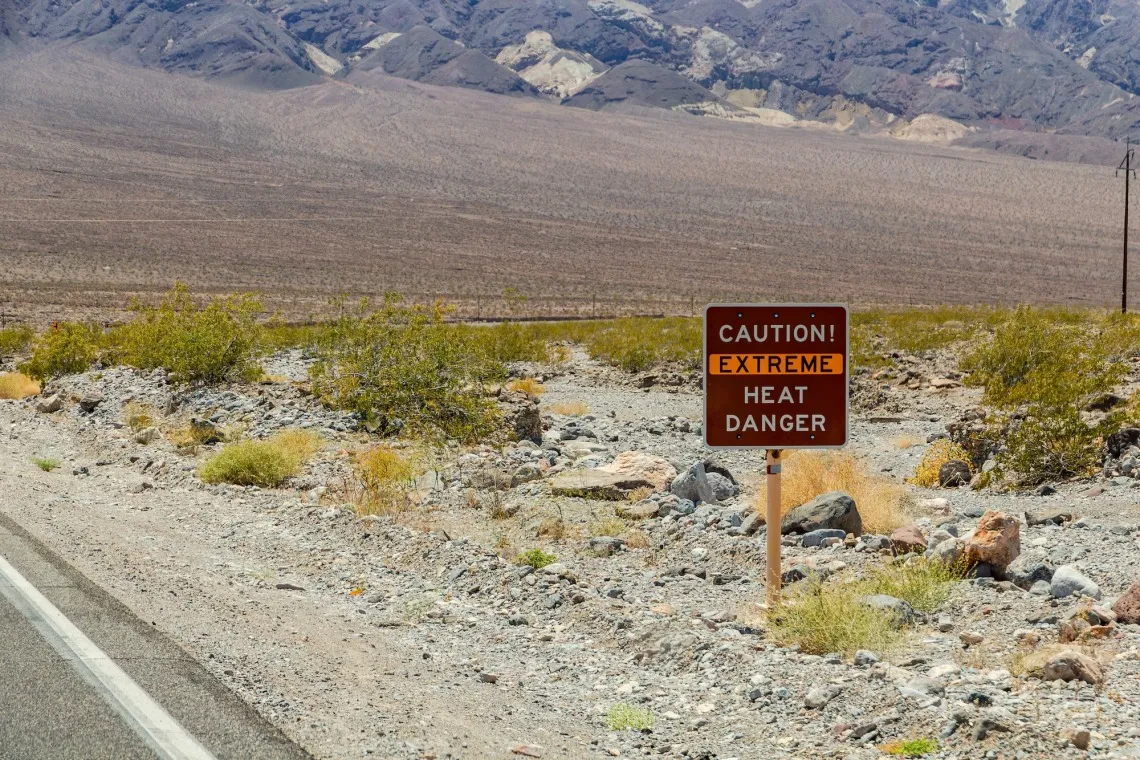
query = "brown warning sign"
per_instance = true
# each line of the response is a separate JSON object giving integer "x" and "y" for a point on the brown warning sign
{"x": 776, "y": 375}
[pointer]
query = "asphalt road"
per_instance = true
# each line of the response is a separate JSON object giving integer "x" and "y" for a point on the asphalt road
{"x": 54, "y": 705}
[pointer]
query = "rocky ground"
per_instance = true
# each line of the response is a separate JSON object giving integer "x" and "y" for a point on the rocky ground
{"x": 418, "y": 635}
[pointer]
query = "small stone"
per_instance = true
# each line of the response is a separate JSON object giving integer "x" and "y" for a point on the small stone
{"x": 864, "y": 657}
{"x": 945, "y": 623}
{"x": 816, "y": 537}
{"x": 927, "y": 686}
{"x": 954, "y": 473}
{"x": 820, "y": 696}
{"x": 1057, "y": 516}
{"x": 834, "y": 510}
{"x": 902, "y": 612}
{"x": 908, "y": 539}
{"x": 1071, "y": 665}
{"x": 527, "y": 750}
{"x": 50, "y": 405}
{"x": 90, "y": 402}
{"x": 971, "y": 638}
{"x": 1079, "y": 738}
{"x": 486, "y": 677}
{"x": 1068, "y": 580}
{"x": 1127, "y": 607}
{"x": 141, "y": 487}
{"x": 146, "y": 435}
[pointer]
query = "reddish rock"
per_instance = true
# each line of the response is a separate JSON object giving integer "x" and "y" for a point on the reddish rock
{"x": 996, "y": 541}
{"x": 908, "y": 539}
{"x": 1127, "y": 607}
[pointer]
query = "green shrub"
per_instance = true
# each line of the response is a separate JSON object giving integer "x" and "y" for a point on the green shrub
{"x": 1053, "y": 442}
{"x": 911, "y": 747}
{"x": 1036, "y": 358}
{"x": 66, "y": 348}
{"x": 831, "y": 617}
{"x": 402, "y": 365}
{"x": 267, "y": 463}
{"x": 636, "y": 343}
{"x": 923, "y": 584}
{"x": 536, "y": 558}
{"x": 14, "y": 340}
{"x": 623, "y": 716}
{"x": 46, "y": 464}
{"x": 215, "y": 343}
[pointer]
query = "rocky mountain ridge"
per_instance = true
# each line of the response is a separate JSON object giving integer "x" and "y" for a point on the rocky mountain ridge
{"x": 1042, "y": 68}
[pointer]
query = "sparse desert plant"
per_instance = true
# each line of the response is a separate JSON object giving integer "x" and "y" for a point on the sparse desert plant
{"x": 607, "y": 526}
{"x": 911, "y": 747}
{"x": 908, "y": 441}
{"x": 47, "y": 464}
{"x": 923, "y": 584}
{"x": 1039, "y": 357}
{"x": 883, "y": 504}
{"x": 267, "y": 463}
{"x": 637, "y": 539}
{"x": 14, "y": 340}
{"x": 138, "y": 416}
{"x": 385, "y": 478}
{"x": 553, "y": 528}
{"x": 17, "y": 385}
{"x": 639, "y": 494}
{"x": 636, "y": 344}
{"x": 568, "y": 408}
{"x": 1051, "y": 443}
{"x": 940, "y": 452}
{"x": 402, "y": 367}
{"x": 215, "y": 343}
{"x": 536, "y": 558}
{"x": 623, "y": 716}
{"x": 66, "y": 348}
{"x": 831, "y": 617}
{"x": 527, "y": 385}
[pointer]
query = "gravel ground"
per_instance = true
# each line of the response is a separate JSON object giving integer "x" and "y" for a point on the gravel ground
{"x": 414, "y": 636}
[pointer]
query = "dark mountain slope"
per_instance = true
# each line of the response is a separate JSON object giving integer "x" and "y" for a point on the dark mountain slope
{"x": 423, "y": 55}
{"x": 638, "y": 82}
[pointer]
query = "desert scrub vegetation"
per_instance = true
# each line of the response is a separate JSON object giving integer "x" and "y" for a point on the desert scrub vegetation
{"x": 383, "y": 480}
{"x": 636, "y": 344}
{"x": 65, "y": 348}
{"x": 215, "y": 343}
{"x": 47, "y": 464}
{"x": 17, "y": 385}
{"x": 266, "y": 464}
{"x": 536, "y": 558}
{"x": 923, "y": 584}
{"x": 831, "y": 617}
{"x": 623, "y": 716}
{"x": 910, "y": 747}
{"x": 401, "y": 367}
{"x": 1040, "y": 369}
{"x": 14, "y": 340}
{"x": 883, "y": 504}
{"x": 527, "y": 385}
{"x": 939, "y": 453}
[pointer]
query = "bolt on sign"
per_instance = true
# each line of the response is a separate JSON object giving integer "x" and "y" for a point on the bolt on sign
{"x": 776, "y": 375}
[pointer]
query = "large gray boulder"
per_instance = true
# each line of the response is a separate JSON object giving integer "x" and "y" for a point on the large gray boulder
{"x": 693, "y": 484}
{"x": 830, "y": 510}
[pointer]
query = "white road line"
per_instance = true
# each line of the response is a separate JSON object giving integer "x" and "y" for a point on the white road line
{"x": 148, "y": 718}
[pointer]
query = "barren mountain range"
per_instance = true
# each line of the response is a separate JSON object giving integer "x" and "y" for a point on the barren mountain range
{"x": 1003, "y": 69}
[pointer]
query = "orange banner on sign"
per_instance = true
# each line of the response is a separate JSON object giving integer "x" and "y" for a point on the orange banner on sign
{"x": 776, "y": 364}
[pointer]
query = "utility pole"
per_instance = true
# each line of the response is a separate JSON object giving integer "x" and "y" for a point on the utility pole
{"x": 1126, "y": 166}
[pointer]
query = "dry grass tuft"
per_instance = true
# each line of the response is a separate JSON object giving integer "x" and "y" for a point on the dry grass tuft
{"x": 527, "y": 385}
{"x": 607, "y": 526}
{"x": 17, "y": 385}
{"x": 640, "y": 494}
{"x": 138, "y": 416}
{"x": 637, "y": 539}
{"x": 569, "y": 409}
{"x": 908, "y": 441}
{"x": 883, "y": 504}
{"x": 384, "y": 480}
{"x": 267, "y": 463}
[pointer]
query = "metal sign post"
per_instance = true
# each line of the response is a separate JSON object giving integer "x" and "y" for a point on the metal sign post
{"x": 1126, "y": 167}
{"x": 772, "y": 517}
{"x": 776, "y": 378}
